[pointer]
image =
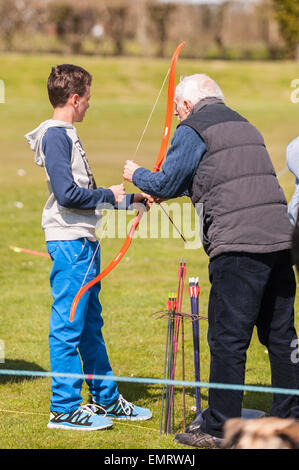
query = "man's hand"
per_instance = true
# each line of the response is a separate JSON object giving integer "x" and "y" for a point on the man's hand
{"x": 158, "y": 200}
{"x": 119, "y": 192}
{"x": 129, "y": 169}
{"x": 139, "y": 198}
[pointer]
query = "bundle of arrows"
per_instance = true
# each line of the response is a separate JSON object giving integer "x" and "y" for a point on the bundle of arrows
{"x": 175, "y": 321}
{"x": 194, "y": 291}
{"x": 167, "y": 394}
{"x": 174, "y": 309}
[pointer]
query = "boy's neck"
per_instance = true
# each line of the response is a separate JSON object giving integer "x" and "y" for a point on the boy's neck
{"x": 63, "y": 114}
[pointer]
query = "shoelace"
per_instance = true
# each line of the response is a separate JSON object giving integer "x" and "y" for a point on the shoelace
{"x": 95, "y": 406}
{"x": 87, "y": 408}
{"x": 126, "y": 406}
{"x": 91, "y": 407}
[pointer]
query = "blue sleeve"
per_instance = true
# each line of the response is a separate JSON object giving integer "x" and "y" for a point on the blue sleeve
{"x": 182, "y": 160}
{"x": 57, "y": 147}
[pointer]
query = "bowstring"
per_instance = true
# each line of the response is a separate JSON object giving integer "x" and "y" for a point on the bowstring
{"x": 135, "y": 153}
{"x": 140, "y": 141}
{"x": 150, "y": 115}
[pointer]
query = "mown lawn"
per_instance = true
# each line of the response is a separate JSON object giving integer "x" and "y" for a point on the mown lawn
{"x": 123, "y": 93}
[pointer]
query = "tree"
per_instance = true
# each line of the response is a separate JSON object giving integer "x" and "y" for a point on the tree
{"x": 160, "y": 17}
{"x": 11, "y": 20}
{"x": 72, "y": 22}
{"x": 222, "y": 11}
{"x": 269, "y": 28}
{"x": 115, "y": 25}
{"x": 287, "y": 15}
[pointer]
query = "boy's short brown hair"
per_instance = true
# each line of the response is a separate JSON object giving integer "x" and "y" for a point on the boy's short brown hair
{"x": 66, "y": 80}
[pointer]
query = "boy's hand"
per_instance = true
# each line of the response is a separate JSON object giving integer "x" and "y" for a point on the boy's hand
{"x": 119, "y": 192}
{"x": 129, "y": 169}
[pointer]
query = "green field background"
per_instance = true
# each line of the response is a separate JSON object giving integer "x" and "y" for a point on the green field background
{"x": 123, "y": 93}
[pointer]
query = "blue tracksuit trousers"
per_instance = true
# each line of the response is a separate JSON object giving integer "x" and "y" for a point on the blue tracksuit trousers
{"x": 78, "y": 343}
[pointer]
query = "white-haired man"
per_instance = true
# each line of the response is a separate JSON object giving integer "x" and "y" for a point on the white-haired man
{"x": 220, "y": 160}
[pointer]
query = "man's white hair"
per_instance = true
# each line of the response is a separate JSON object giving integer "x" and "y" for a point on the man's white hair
{"x": 197, "y": 87}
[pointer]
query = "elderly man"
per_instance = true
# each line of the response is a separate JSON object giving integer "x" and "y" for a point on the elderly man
{"x": 221, "y": 161}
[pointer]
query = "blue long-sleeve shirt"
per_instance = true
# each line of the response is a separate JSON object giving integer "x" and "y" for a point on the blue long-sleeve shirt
{"x": 182, "y": 160}
{"x": 57, "y": 148}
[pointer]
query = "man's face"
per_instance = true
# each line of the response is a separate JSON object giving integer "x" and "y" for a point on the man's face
{"x": 82, "y": 105}
{"x": 182, "y": 109}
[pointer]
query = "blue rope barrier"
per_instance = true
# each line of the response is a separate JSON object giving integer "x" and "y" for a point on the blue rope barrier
{"x": 154, "y": 381}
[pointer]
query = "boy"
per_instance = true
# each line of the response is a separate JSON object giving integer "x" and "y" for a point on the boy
{"x": 69, "y": 220}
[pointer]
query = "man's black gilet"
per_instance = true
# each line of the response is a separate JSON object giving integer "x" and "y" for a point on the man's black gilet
{"x": 244, "y": 207}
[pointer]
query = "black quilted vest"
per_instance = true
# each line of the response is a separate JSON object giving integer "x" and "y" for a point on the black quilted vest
{"x": 244, "y": 207}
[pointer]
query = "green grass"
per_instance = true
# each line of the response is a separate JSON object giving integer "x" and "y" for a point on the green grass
{"x": 123, "y": 93}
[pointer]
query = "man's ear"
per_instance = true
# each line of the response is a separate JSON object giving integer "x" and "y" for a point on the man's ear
{"x": 188, "y": 105}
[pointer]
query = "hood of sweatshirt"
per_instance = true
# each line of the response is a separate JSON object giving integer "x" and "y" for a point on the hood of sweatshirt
{"x": 34, "y": 138}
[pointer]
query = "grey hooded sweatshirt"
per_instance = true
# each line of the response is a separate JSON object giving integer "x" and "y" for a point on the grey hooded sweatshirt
{"x": 64, "y": 219}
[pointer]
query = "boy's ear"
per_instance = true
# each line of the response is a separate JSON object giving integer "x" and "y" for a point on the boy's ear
{"x": 74, "y": 100}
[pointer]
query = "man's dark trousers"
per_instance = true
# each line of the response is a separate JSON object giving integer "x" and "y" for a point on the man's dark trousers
{"x": 248, "y": 290}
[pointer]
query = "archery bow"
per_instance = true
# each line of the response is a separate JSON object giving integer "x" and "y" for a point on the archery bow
{"x": 160, "y": 158}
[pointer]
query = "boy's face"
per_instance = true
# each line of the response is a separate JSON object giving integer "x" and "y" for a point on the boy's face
{"x": 82, "y": 105}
